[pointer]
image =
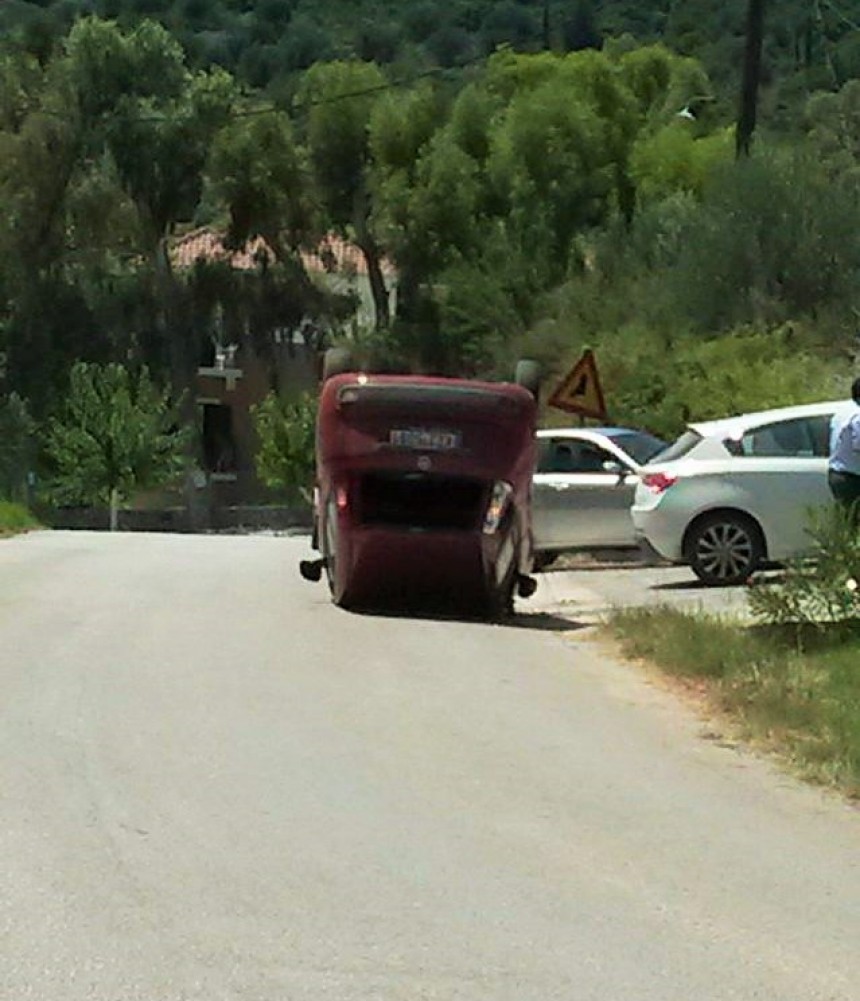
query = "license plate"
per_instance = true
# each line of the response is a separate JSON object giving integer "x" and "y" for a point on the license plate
{"x": 425, "y": 439}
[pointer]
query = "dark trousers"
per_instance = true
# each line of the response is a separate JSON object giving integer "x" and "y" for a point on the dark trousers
{"x": 845, "y": 488}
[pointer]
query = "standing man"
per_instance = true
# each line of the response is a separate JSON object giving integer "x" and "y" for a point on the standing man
{"x": 844, "y": 470}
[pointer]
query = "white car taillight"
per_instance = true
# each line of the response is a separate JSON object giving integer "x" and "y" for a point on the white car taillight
{"x": 658, "y": 483}
{"x": 499, "y": 500}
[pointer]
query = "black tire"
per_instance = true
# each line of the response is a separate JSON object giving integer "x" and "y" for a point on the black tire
{"x": 528, "y": 375}
{"x": 499, "y": 603}
{"x": 542, "y": 560}
{"x": 328, "y": 545}
{"x": 724, "y": 549}
{"x": 340, "y": 593}
{"x": 337, "y": 361}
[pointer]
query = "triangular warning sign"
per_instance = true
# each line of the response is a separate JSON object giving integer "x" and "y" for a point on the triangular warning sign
{"x": 580, "y": 391}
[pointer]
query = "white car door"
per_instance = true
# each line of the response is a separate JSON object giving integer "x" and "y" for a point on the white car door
{"x": 581, "y": 496}
{"x": 782, "y": 472}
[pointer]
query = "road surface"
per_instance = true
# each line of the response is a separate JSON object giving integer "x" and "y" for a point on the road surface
{"x": 218, "y": 787}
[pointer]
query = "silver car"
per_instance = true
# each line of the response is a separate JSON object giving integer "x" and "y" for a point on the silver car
{"x": 584, "y": 486}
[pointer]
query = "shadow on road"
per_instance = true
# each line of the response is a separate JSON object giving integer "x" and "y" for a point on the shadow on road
{"x": 539, "y": 621}
{"x": 687, "y": 585}
{"x": 773, "y": 576}
{"x": 543, "y": 621}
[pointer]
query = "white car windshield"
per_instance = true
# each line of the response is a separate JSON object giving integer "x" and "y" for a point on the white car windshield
{"x": 639, "y": 445}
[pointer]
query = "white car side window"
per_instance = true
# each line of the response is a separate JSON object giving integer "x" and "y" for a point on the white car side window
{"x": 568, "y": 456}
{"x": 801, "y": 438}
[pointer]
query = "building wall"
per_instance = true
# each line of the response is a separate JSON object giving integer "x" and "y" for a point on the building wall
{"x": 232, "y": 477}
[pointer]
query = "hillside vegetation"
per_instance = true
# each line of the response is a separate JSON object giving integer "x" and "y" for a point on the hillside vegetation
{"x": 530, "y": 180}
{"x": 266, "y": 42}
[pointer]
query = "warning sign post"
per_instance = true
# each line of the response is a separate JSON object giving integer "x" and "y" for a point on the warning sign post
{"x": 580, "y": 391}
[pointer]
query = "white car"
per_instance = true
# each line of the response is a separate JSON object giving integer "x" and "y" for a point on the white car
{"x": 583, "y": 488}
{"x": 732, "y": 494}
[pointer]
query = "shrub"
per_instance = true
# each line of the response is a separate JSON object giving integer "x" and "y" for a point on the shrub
{"x": 14, "y": 518}
{"x": 821, "y": 593}
{"x": 286, "y": 430}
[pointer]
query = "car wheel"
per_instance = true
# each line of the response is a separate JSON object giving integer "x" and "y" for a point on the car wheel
{"x": 499, "y": 602}
{"x": 338, "y": 589}
{"x": 528, "y": 375}
{"x": 542, "y": 560}
{"x": 328, "y": 543}
{"x": 337, "y": 361}
{"x": 724, "y": 549}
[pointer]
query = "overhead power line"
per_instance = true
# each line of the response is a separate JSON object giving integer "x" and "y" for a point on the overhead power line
{"x": 307, "y": 105}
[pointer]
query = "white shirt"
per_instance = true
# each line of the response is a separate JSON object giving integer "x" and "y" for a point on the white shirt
{"x": 845, "y": 441}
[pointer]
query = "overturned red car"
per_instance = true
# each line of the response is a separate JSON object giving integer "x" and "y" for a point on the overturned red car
{"x": 423, "y": 488}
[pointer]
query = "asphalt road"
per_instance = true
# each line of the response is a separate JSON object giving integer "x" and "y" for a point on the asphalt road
{"x": 216, "y": 786}
{"x": 592, "y": 590}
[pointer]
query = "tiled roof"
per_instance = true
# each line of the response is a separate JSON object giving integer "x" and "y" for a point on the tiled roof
{"x": 334, "y": 255}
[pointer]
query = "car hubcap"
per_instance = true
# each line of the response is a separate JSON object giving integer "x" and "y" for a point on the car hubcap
{"x": 724, "y": 551}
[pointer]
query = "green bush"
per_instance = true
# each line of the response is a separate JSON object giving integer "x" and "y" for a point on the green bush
{"x": 286, "y": 431}
{"x": 14, "y": 518}
{"x": 821, "y": 593}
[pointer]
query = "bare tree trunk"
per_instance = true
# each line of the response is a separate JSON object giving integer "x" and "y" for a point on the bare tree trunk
{"x": 378, "y": 288}
{"x": 373, "y": 258}
{"x": 165, "y": 284}
{"x": 751, "y": 79}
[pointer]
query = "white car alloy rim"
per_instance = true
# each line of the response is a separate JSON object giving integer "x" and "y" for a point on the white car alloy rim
{"x": 724, "y": 550}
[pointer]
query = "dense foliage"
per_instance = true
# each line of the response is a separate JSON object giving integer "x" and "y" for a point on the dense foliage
{"x": 266, "y": 42}
{"x": 540, "y": 176}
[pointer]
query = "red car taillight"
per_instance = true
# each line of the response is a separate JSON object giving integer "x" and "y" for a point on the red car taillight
{"x": 658, "y": 482}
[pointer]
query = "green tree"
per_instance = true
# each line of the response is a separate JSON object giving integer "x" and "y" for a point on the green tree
{"x": 260, "y": 174}
{"x": 157, "y": 121}
{"x": 117, "y": 433}
{"x": 580, "y": 29}
{"x": 559, "y": 153}
{"x": 773, "y": 239}
{"x": 257, "y": 170}
{"x": 664, "y": 84}
{"x": 17, "y": 447}
{"x": 339, "y": 99}
{"x": 40, "y": 144}
{"x": 674, "y": 160}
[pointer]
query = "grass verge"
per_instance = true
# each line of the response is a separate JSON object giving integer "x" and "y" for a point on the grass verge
{"x": 15, "y": 518}
{"x": 798, "y": 700}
